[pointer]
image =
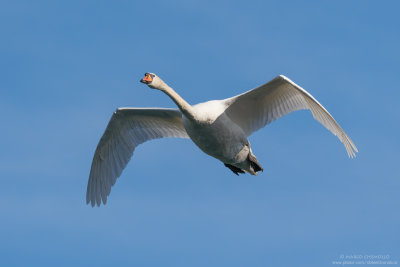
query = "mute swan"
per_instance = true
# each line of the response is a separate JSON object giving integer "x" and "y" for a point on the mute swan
{"x": 219, "y": 128}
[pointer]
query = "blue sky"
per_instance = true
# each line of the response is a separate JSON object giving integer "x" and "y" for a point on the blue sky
{"x": 66, "y": 66}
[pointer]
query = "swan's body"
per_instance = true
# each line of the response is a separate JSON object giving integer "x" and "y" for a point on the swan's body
{"x": 219, "y": 128}
{"x": 214, "y": 133}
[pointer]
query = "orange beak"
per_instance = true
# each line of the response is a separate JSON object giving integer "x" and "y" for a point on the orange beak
{"x": 147, "y": 79}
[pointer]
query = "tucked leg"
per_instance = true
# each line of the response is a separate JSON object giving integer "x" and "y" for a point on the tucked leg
{"x": 254, "y": 163}
{"x": 234, "y": 169}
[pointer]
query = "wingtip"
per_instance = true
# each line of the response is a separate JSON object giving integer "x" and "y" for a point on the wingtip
{"x": 90, "y": 203}
{"x": 352, "y": 153}
{"x": 95, "y": 203}
{"x": 353, "y": 149}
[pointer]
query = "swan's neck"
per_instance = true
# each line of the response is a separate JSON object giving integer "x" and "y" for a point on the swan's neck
{"x": 184, "y": 106}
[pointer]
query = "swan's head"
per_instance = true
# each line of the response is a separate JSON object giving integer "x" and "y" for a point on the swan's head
{"x": 152, "y": 81}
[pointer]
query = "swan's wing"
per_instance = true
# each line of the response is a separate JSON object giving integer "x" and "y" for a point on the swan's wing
{"x": 128, "y": 128}
{"x": 258, "y": 107}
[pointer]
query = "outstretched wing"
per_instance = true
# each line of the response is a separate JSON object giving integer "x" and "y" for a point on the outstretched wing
{"x": 128, "y": 128}
{"x": 258, "y": 107}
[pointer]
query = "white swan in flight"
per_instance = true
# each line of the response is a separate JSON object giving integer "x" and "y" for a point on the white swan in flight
{"x": 219, "y": 128}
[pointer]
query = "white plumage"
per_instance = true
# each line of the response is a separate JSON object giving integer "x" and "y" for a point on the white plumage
{"x": 128, "y": 128}
{"x": 275, "y": 99}
{"x": 219, "y": 128}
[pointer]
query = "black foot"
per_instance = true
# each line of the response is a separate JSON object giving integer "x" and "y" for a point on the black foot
{"x": 234, "y": 169}
{"x": 254, "y": 163}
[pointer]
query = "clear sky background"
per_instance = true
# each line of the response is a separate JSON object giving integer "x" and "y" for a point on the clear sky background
{"x": 65, "y": 66}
